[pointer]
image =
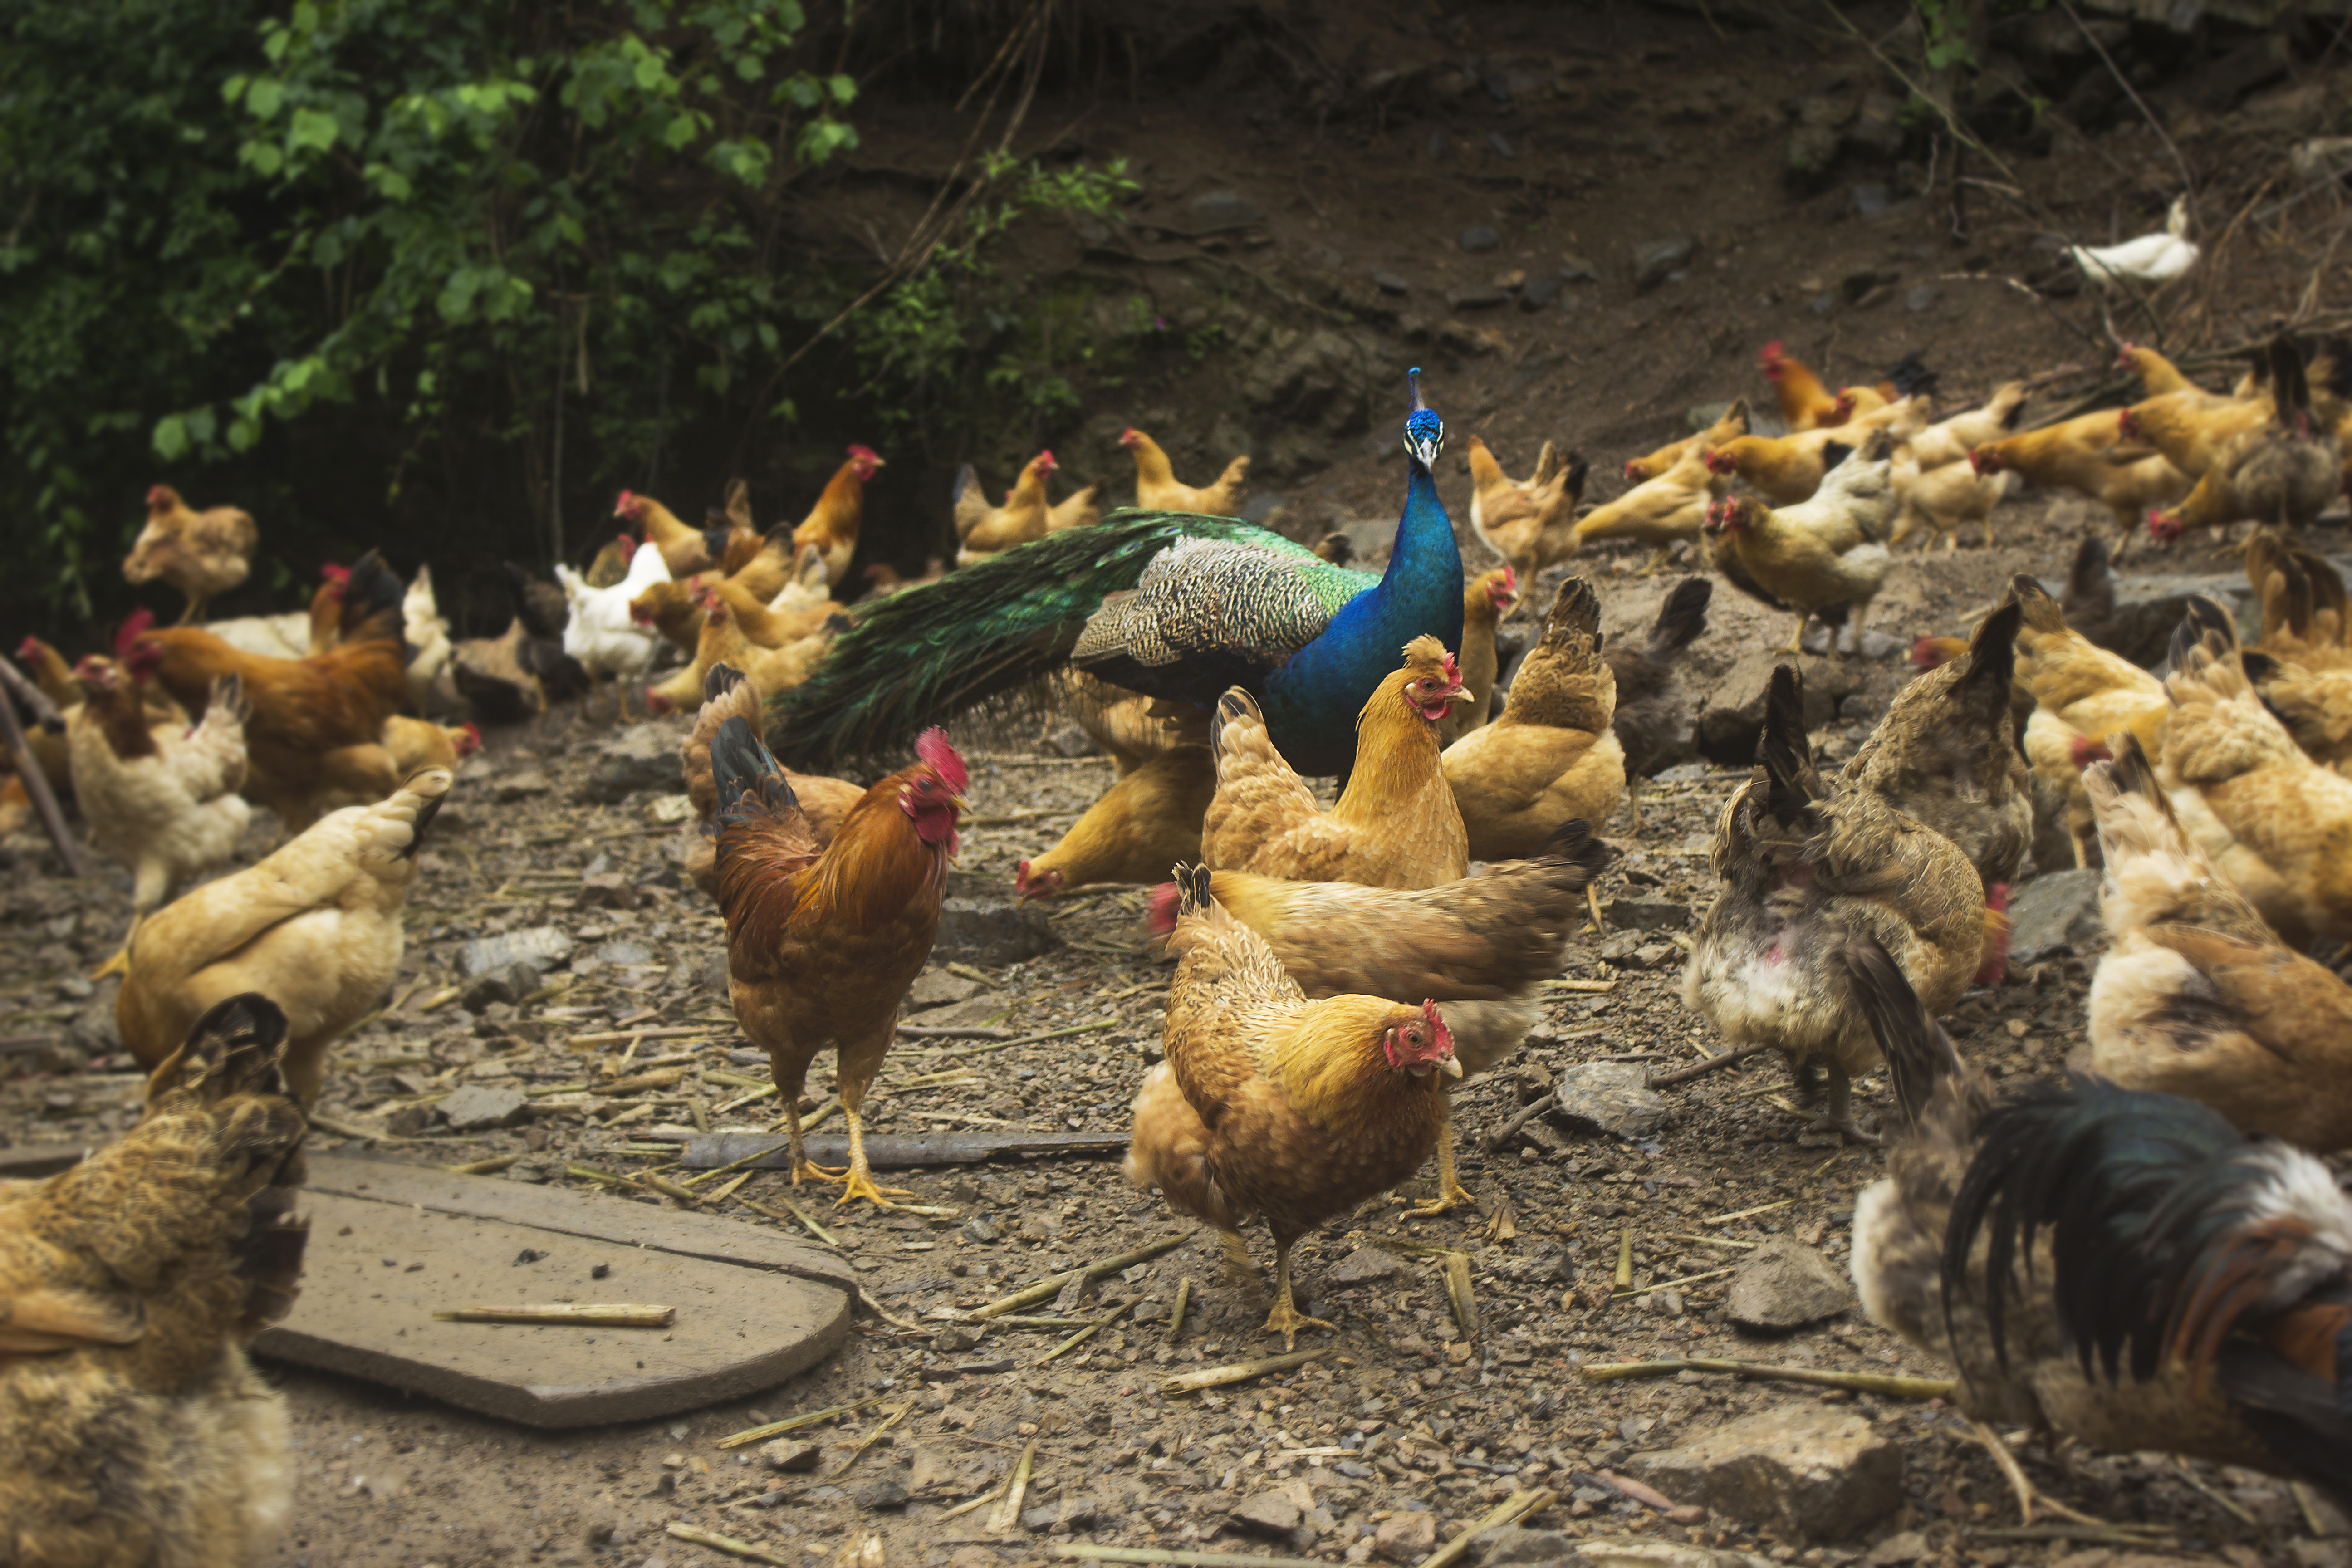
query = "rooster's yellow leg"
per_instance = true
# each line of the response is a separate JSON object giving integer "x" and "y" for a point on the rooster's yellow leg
{"x": 1286, "y": 1319}
{"x": 1656, "y": 561}
{"x": 1451, "y": 1194}
{"x": 1796, "y": 643}
{"x": 859, "y": 1182}
{"x": 802, "y": 1164}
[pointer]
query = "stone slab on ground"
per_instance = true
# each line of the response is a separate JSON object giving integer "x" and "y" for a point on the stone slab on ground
{"x": 2055, "y": 913}
{"x": 1815, "y": 1471}
{"x": 1611, "y": 1096}
{"x": 367, "y": 1311}
{"x": 1784, "y": 1285}
{"x": 31, "y": 1161}
{"x": 622, "y": 1223}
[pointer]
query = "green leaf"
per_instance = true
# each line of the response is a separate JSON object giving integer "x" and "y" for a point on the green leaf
{"x": 264, "y": 98}
{"x": 313, "y": 128}
{"x": 262, "y": 157}
{"x": 244, "y": 434}
{"x": 844, "y": 90}
{"x": 680, "y": 131}
{"x": 171, "y": 437}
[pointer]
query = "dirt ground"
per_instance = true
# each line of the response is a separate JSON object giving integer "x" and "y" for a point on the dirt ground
{"x": 1664, "y": 125}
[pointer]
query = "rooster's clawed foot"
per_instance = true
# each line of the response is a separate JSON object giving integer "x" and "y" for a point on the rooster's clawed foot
{"x": 1451, "y": 1196}
{"x": 1286, "y": 1321}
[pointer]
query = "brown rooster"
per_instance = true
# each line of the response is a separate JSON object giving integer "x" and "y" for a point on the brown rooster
{"x": 822, "y": 945}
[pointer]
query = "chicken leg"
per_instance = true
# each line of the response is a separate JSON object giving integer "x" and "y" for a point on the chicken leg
{"x": 1451, "y": 1194}
{"x": 1286, "y": 1319}
{"x": 1839, "y": 1117}
{"x": 859, "y": 1062}
{"x": 1796, "y": 643}
{"x": 1656, "y": 562}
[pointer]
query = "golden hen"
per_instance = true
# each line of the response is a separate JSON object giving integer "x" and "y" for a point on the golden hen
{"x": 204, "y": 553}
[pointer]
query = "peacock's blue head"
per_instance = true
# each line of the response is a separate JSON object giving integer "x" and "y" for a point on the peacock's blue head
{"x": 1424, "y": 432}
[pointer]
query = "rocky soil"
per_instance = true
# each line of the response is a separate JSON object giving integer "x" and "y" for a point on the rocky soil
{"x": 1486, "y": 221}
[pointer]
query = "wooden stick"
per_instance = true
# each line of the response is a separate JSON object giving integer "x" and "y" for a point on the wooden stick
{"x": 1743, "y": 1213}
{"x": 729, "y": 1544}
{"x": 1512, "y": 1509}
{"x": 1087, "y": 1552}
{"x": 616, "y": 1316}
{"x": 794, "y": 1213}
{"x": 1713, "y": 1240}
{"x": 1859, "y": 1382}
{"x": 1669, "y": 1284}
{"x": 1035, "y": 1039}
{"x": 1600, "y": 987}
{"x": 1236, "y": 1371}
{"x": 868, "y": 1441}
{"x": 982, "y": 1501}
{"x": 1712, "y": 1063}
{"x": 738, "y": 1164}
{"x": 1081, "y": 1337}
{"x": 347, "y": 1130}
{"x": 1624, "y": 1259}
{"x": 1052, "y": 1285}
{"x": 1527, "y": 1113}
{"x": 36, "y": 785}
{"x": 36, "y": 700}
{"x": 490, "y": 1167}
{"x": 1007, "y": 1512}
{"x": 1459, "y": 1293}
{"x": 943, "y": 1032}
{"x": 794, "y": 1423}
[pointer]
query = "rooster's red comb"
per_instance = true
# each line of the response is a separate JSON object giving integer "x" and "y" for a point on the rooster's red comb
{"x": 1774, "y": 353}
{"x": 931, "y": 746}
{"x": 1441, "y": 1037}
{"x": 134, "y": 627}
{"x": 866, "y": 453}
{"x": 334, "y": 573}
{"x": 626, "y": 506}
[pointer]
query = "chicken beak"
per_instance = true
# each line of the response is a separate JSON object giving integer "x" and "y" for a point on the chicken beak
{"x": 958, "y": 804}
{"x": 1451, "y": 1067}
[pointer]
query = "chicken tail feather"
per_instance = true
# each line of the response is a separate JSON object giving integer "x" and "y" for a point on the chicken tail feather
{"x": 1919, "y": 1054}
{"x": 743, "y": 769}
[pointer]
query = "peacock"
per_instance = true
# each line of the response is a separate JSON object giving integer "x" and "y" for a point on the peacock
{"x": 1175, "y": 605}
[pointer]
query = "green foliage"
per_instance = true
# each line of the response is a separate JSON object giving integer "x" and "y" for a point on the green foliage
{"x": 224, "y": 216}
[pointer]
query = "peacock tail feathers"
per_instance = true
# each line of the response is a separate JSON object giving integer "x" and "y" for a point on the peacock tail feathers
{"x": 990, "y": 631}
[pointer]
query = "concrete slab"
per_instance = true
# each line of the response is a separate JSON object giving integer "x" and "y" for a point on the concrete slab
{"x": 617, "y": 1220}
{"x": 377, "y": 1270}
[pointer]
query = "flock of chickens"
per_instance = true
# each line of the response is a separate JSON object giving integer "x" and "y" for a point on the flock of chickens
{"x": 2187, "y": 1267}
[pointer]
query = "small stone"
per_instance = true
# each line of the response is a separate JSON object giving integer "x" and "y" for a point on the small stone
{"x": 875, "y": 1497}
{"x": 1494, "y": 139}
{"x": 1653, "y": 955}
{"x": 1364, "y": 1266}
{"x": 507, "y": 984}
{"x": 790, "y": 1455}
{"x": 1869, "y": 198}
{"x": 1784, "y": 1284}
{"x": 1538, "y": 291}
{"x": 981, "y": 1230}
{"x": 1647, "y": 914}
{"x": 1904, "y": 1546}
{"x": 1812, "y": 150}
{"x": 1478, "y": 239}
{"x": 1821, "y": 304}
{"x": 1922, "y": 297}
{"x": 1474, "y": 299}
{"x": 520, "y": 785}
{"x": 1268, "y": 1514}
{"x": 955, "y": 1338}
{"x": 640, "y": 760}
{"x": 1222, "y": 210}
{"x": 625, "y": 954}
{"x": 669, "y": 810}
{"x": 1037, "y": 1226}
{"x": 1611, "y": 1096}
{"x": 1390, "y": 283}
{"x": 541, "y": 947}
{"x": 1810, "y": 1470}
{"x": 936, "y": 988}
{"x": 1575, "y": 269}
{"x": 1406, "y": 1537}
{"x": 606, "y": 891}
{"x": 2054, "y": 914}
{"x": 989, "y": 929}
{"x": 472, "y": 1108}
{"x": 1514, "y": 1545}
{"x": 1655, "y": 258}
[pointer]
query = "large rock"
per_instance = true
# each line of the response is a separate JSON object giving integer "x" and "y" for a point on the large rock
{"x": 1364, "y": 1266}
{"x": 989, "y": 929}
{"x": 1406, "y": 1537}
{"x": 935, "y": 987}
{"x": 1732, "y": 721}
{"x": 1610, "y": 1097}
{"x": 2054, "y": 915}
{"x": 1811, "y": 1470}
{"x": 641, "y": 759}
{"x": 1784, "y": 1284}
{"x": 477, "y": 1108}
{"x": 1268, "y": 1514}
{"x": 541, "y": 947}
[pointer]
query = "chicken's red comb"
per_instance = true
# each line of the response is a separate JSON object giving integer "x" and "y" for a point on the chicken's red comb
{"x": 626, "y": 506}
{"x": 334, "y": 573}
{"x": 931, "y": 746}
{"x": 1443, "y": 1037}
{"x": 1160, "y": 907}
{"x": 1510, "y": 580}
{"x": 1720, "y": 461}
{"x": 29, "y": 649}
{"x": 1453, "y": 670}
{"x": 1774, "y": 353}
{"x": 156, "y": 494}
{"x": 1046, "y": 457}
{"x": 2082, "y": 752}
{"x": 470, "y": 741}
{"x": 866, "y": 452}
{"x": 134, "y": 626}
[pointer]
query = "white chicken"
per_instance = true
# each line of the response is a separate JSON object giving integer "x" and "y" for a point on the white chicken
{"x": 601, "y": 634}
{"x": 427, "y": 632}
{"x": 2152, "y": 258}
